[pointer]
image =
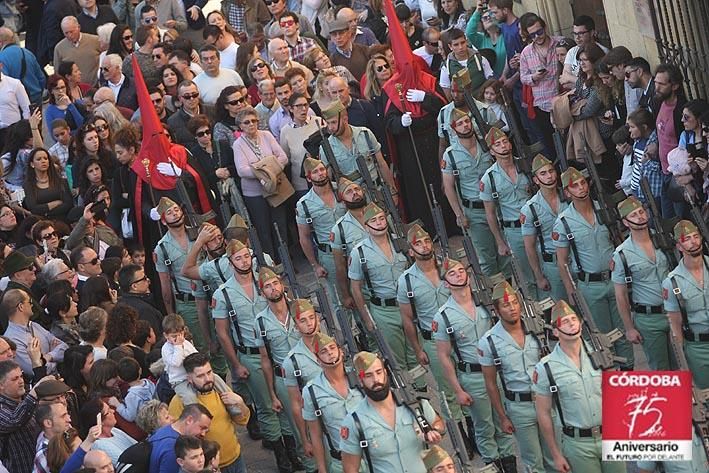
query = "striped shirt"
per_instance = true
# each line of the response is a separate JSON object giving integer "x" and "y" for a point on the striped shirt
{"x": 530, "y": 61}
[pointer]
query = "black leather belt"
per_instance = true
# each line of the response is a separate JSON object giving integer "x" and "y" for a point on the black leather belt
{"x": 182, "y": 297}
{"x": 648, "y": 309}
{"x": 426, "y": 334}
{"x": 576, "y": 432}
{"x": 696, "y": 337}
{"x": 594, "y": 277}
{"x": 518, "y": 397}
{"x": 512, "y": 224}
{"x": 548, "y": 257}
{"x": 324, "y": 248}
{"x": 378, "y": 301}
{"x": 473, "y": 204}
{"x": 466, "y": 367}
{"x": 248, "y": 350}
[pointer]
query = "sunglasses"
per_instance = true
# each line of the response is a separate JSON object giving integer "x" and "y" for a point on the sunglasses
{"x": 144, "y": 278}
{"x": 271, "y": 2}
{"x": 260, "y": 65}
{"x": 49, "y": 236}
{"x": 150, "y": 19}
{"x": 105, "y": 69}
{"x": 383, "y": 67}
{"x": 300, "y": 105}
{"x": 158, "y": 56}
{"x": 194, "y": 95}
{"x": 127, "y": 37}
{"x": 287, "y": 23}
{"x": 249, "y": 122}
{"x": 204, "y": 133}
{"x": 101, "y": 128}
{"x": 91, "y": 262}
{"x": 627, "y": 73}
{"x": 536, "y": 34}
{"x": 66, "y": 271}
{"x": 237, "y": 101}
{"x": 580, "y": 33}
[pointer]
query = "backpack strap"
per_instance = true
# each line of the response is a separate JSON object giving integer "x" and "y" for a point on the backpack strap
{"x": 682, "y": 306}
{"x": 538, "y": 227}
{"x": 451, "y": 336}
{"x": 365, "y": 269}
{"x": 341, "y": 231}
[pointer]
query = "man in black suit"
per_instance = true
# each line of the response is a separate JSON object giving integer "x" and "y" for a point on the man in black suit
{"x": 121, "y": 85}
{"x": 135, "y": 292}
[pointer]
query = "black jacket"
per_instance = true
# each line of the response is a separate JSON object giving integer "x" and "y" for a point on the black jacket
{"x": 144, "y": 305}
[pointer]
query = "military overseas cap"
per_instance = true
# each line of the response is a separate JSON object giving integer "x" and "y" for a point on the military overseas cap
{"x": 457, "y": 114}
{"x": 628, "y": 206}
{"x": 234, "y": 246}
{"x": 462, "y": 78}
{"x": 165, "y": 204}
{"x": 343, "y": 184}
{"x": 539, "y": 162}
{"x": 16, "y": 262}
{"x": 309, "y": 164}
{"x": 321, "y": 340}
{"x": 237, "y": 221}
{"x": 371, "y": 211}
{"x": 503, "y": 291}
{"x": 570, "y": 176}
{"x": 363, "y": 360}
{"x": 266, "y": 274}
{"x": 415, "y": 233}
{"x": 450, "y": 263}
{"x": 560, "y": 310}
{"x": 434, "y": 457}
{"x": 302, "y": 306}
{"x": 333, "y": 110}
{"x": 493, "y": 135}
{"x": 683, "y": 229}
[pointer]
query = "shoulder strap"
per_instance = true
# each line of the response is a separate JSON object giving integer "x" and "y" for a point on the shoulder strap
{"x": 411, "y": 298}
{"x": 456, "y": 172}
{"x": 628, "y": 277}
{"x": 538, "y": 227}
{"x": 442, "y": 125}
{"x": 297, "y": 372}
{"x": 496, "y": 197}
{"x": 341, "y": 231}
{"x": 232, "y": 316}
{"x": 363, "y": 444}
{"x": 365, "y": 270}
{"x": 496, "y": 360}
{"x": 682, "y": 304}
{"x": 168, "y": 264}
{"x": 264, "y": 338}
{"x": 219, "y": 270}
{"x": 309, "y": 221}
{"x": 554, "y": 389}
{"x": 451, "y": 336}
{"x": 572, "y": 242}
{"x": 323, "y": 427}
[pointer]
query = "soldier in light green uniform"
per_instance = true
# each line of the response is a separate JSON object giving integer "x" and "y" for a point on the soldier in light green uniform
{"x": 348, "y": 142}
{"x": 685, "y": 292}
{"x": 462, "y": 166}
{"x": 538, "y": 216}
{"x": 190, "y": 300}
{"x": 420, "y": 292}
{"x": 567, "y": 382}
{"x": 327, "y": 399}
{"x": 347, "y": 232}
{"x": 374, "y": 269}
{"x": 235, "y": 305}
{"x": 276, "y": 336}
{"x": 457, "y": 328}
{"x": 507, "y": 350}
{"x": 638, "y": 270}
{"x": 504, "y": 190}
{"x": 387, "y": 448}
{"x": 315, "y": 214}
{"x": 579, "y": 236}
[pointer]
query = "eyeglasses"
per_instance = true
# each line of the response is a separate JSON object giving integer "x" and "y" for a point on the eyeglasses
{"x": 144, "y": 278}
{"x": 126, "y": 38}
{"x": 158, "y": 56}
{"x": 580, "y": 33}
{"x": 627, "y": 73}
{"x": 91, "y": 262}
{"x": 255, "y": 67}
{"x": 237, "y": 101}
{"x": 249, "y": 122}
{"x": 49, "y": 236}
{"x": 157, "y": 100}
{"x": 101, "y": 128}
{"x": 300, "y": 105}
{"x": 686, "y": 117}
{"x": 536, "y": 34}
{"x": 150, "y": 19}
{"x": 287, "y": 23}
{"x": 105, "y": 68}
{"x": 383, "y": 67}
{"x": 69, "y": 270}
{"x": 194, "y": 95}
{"x": 201, "y": 134}
{"x": 271, "y": 2}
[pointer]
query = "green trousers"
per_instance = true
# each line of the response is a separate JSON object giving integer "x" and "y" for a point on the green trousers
{"x": 484, "y": 242}
{"x": 551, "y": 272}
{"x": 536, "y": 456}
{"x": 188, "y": 311}
{"x": 516, "y": 241}
{"x": 698, "y": 359}
{"x": 584, "y": 455}
{"x": 273, "y": 425}
{"x": 388, "y": 320}
{"x": 600, "y": 297}
{"x": 429, "y": 346}
{"x": 492, "y": 442}
{"x": 284, "y": 397}
{"x": 655, "y": 329}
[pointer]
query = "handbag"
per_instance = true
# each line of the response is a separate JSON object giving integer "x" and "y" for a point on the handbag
{"x": 276, "y": 186}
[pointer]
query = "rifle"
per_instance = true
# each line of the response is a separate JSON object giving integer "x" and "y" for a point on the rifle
{"x": 250, "y": 228}
{"x": 601, "y": 354}
{"x": 401, "y": 380}
{"x": 462, "y": 79}
{"x": 192, "y": 219}
{"x": 560, "y": 150}
{"x": 481, "y": 285}
{"x": 439, "y": 223}
{"x": 698, "y": 219}
{"x": 329, "y": 153}
{"x": 382, "y": 196}
{"x": 465, "y": 465}
{"x": 700, "y": 398}
{"x": 608, "y": 212}
{"x": 287, "y": 262}
{"x": 224, "y": 198}
{"x": 662, "y": 237}
{"x": 532, "y": 311}
{"x": 526, "y": 153}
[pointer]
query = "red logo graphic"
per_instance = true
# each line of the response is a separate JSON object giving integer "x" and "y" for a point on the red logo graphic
{"x": 665, "y": 293}
{"x": 482, "y": 186}
{"x": 434, "y": 326}
{"x": 344, "y": 432}
{"x": 522, "y": 218}
{"x": 443, "y": 163}
{"x": 555, "y": 236}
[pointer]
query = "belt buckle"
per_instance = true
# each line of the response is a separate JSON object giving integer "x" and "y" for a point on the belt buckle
{"x": 605, "y": 275}
{"x": 596, "y": 431}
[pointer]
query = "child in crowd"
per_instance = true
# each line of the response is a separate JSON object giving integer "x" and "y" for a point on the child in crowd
{"x": 174, "y": 352}
{"x": 139, "y": 391}
{"x": 624, "y": 145}
{"x": 645, "y": 162}
{"x": 60, "y": 150}
{"x": 189, "y": 453}
{"x": 488, "y": 95}
{"x": 211, "y": 455}
{"x": 137, "y": 255}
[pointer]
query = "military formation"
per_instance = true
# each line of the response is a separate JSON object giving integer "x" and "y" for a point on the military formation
{"x": 338, "y": 379}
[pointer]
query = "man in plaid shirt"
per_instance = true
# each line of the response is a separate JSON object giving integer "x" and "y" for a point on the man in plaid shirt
{"x": 298, "y": 45}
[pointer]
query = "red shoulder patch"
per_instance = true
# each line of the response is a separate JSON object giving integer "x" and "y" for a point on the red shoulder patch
{"x": 443, "y": 164}
{"x": 535, "y": 377}
{"x": 611, "y": 264}
{"x": 665, "y": 293}
{"x": 193, "y": 285}
{"x": 555, "y": 236}
{"x": 480, "y": 352}
{"x": 522, "y": 218}
{"x": 482, "y": 186}
{"x": 155, "y": 258}
{"x": 332, "y": 237}
{"x": 344, "y": 433}
{"x": 214, "y": 303}
{"x": 434, "y": 326}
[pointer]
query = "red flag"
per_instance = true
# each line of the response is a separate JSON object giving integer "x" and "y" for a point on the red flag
{"x": 409, "y": 73}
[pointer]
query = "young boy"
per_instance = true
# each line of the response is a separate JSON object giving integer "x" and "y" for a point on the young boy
{"x": 174, "y": 352}
{"x": 60, "y": 150}
{"x": 189, "y": 453}
{"x": 139, "y": 392}
{"x": 137, "y": 255}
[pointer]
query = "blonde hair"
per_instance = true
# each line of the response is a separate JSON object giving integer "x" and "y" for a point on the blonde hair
{"x": 372, "y": 89}
{"x": 323, "y": 76}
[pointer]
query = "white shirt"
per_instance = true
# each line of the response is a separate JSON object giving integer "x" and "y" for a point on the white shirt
{"x": 573, "y": 62}
{"x": 227, "y": 57}
{"x": 421, "y": 52}
{"x": 116, "y": 88}
{"x": 211, "y": 87}
{"x": 14, "y": 102}
{"x": 445, "y": 79}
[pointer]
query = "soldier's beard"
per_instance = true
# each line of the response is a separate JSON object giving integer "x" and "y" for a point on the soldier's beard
{"x": 217, "y": 252}
{"x": 423, "y": 256}
{"x": 378, "y": 394}
{"x": 321, "y": 183}
{"x": 276, "y": 298}
{"x": 695, "y": 252}
{"x": 465, "y": 135}
{"x": 357, "y": 204}
{"x": 242, "y": 271}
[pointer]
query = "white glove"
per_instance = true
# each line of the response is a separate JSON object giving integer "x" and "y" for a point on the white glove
{"x": 415, "y": 95}
{"x": 406, "y": 120}
{"x": 169, "y": 169}
{"x": 154, "y": 215}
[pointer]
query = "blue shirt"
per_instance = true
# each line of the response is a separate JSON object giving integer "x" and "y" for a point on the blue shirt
{"x": 33, "y": 80}
{"x": 162, "y": 456}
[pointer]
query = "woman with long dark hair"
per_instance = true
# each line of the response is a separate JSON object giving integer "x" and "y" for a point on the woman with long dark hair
{"x": 452, "y": 14}
{"x": 121, "y": 328}
{"x": 61, "y": 104}
{"x": 121, "y": 42}
{"x": 230, "y": 102}
{"x": 97, "y": 292}
{"x": 91, "y": 174}
{"x": 21, "y": 137}
{"x": 87, "y": 146}
{"x": 214, "y": 156}
{"x": 75, "y": 89}
{"x": 244, "y": 55}
{"x": 171, "y": 78}
{"x": 61, "y": 307}
{"x": 46, "y": 192}
{"x": 75, "y": 370}
{"x": 590, "y": 87}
